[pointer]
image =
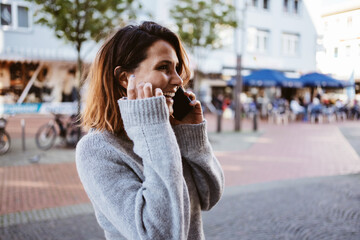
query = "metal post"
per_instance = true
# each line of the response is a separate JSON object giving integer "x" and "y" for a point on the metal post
{"x": 238, "y": 90}
{"x": 219, "y": 119}
{"x": 23, "y": 134}
{"x": 239, "y": 49}
{"x": 255, "y": 125}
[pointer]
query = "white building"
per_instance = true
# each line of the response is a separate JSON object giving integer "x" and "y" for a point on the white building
{"x": 277, "y": 34}
{"x": 340, "y": 41}
{"x": 24, "y": 46}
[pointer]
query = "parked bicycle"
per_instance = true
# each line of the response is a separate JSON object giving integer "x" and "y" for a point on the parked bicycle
{"x": 67, "y": 128}
{"x": 5, "y": 141}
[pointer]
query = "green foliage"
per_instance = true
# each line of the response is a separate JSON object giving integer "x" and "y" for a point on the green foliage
{"x": 199, "y": 21}
{"x": 78, "y": 21}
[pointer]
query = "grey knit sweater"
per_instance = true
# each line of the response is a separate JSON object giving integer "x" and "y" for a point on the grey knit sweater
{"x": 154, "y": 186}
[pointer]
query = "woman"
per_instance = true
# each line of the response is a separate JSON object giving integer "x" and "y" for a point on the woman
{"x": 147, "y": 175}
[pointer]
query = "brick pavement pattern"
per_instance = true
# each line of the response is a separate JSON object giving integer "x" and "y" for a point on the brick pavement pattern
{"x": 289, "y": 152}
{"x": 24, "y": 188}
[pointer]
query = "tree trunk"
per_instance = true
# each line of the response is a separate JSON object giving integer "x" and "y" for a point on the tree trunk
{"x": 80, "y": 84}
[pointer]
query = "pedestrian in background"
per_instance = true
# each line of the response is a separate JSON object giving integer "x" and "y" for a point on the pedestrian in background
{"x": 147, "y": 175}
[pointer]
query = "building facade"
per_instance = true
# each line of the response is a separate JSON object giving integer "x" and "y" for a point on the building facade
{"x": 339, "y": 54}
{"x": 274, "y": 34}
{"x": 25, "y": 47}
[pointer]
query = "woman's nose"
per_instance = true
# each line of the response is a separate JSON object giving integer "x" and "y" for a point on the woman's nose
{"x": 176, "y": 79}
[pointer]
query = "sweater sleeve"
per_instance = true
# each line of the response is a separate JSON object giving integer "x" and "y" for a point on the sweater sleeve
{"x": 158, "y": 206}
{"x": 206, "y": 170}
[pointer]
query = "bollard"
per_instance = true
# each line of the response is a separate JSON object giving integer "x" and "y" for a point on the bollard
{"x": 23, "y": 134}
{"x": 219, "y": 118}
{"x": 255, "y": 121}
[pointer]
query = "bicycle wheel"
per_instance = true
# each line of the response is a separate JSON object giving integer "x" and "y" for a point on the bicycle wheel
{"x": 45, "y": 137}
{"x": 73, "y": 135}
{"x": 4, "y": 142}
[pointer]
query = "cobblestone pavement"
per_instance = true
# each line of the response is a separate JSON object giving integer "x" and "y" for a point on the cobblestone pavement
{"x": 271, "y": 190}
{"x": 321, "y": 208}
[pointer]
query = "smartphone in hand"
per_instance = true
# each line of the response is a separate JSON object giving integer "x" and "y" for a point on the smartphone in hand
{"x": 181, "y": 104}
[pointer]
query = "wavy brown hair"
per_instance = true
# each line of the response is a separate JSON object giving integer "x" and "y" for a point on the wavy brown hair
{"x": 127, "y": 48}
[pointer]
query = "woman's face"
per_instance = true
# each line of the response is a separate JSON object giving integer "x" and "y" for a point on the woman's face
{"x": 159, "y": 69}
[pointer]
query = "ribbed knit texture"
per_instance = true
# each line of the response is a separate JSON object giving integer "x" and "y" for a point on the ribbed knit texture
{"x": 154, "y": 186}
{"x": 144, "y": 111}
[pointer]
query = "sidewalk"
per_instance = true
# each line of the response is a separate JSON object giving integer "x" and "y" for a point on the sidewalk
{"x": 47, "y": 199}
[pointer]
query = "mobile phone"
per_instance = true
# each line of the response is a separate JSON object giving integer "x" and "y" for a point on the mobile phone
{"x": 181, "y": 104}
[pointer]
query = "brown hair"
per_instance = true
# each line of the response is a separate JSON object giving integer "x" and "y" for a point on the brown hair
{"x": 127, "y": 48}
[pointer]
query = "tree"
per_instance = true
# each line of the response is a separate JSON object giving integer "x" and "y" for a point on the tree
{"x": 200, "y": 21}
{"x": 78, "y": 21}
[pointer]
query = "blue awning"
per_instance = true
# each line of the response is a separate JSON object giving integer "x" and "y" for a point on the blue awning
{"x": 268, "y": 78}
{"x": 322, "y": 80}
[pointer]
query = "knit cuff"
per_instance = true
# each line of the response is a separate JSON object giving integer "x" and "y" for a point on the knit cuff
{"x": 143, "y": 111}
{"x": 191, "y": 136}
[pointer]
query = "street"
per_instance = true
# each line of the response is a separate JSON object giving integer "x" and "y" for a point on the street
{"x": 295, "y": 181}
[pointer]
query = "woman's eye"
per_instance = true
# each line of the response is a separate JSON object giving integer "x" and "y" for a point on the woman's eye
{"x": 163, "y": 67}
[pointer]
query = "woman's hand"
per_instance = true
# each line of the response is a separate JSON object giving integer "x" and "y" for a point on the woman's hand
{"x": 143, "y": 90}
{"x": 195, "y": 116}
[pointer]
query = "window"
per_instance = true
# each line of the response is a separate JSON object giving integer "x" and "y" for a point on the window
{"x": 266, "y": 4}
{"x": 286, "y": 5}
{"x": 254, "y": 3}
{"x": 23, "y": 16}
{"x": 296, "y": 6}
{"x": 326, "y": 25}
{"x": 336, "y": 52}
{"x": 290, "y": 44}
{"x": 348, "y": 51}
{"x": 15, "y": 15}
{"x": 349, "y": 21}
{"x": 291, "y": 6}
{"x": 6, "y": 16}
{"x": 258, "y": 40}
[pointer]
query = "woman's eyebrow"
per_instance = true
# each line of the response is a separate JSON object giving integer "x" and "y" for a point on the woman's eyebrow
{"x": 167, "y": 62}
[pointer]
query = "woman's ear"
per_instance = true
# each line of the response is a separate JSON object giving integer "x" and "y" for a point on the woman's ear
{"x": 123, "y": 80}
{"x": 121, "y": 76}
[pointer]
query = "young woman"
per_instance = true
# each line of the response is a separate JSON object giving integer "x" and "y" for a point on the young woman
{"x": 147, "y": 175}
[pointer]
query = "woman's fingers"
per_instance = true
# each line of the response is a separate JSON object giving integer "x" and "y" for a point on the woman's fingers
{"x": 131, "y": 91}
{"x": 148, "y": 90}
{"x": 191, "y": 95}
{"x": 140, "y": 90}
{"x": 158, "y": 92}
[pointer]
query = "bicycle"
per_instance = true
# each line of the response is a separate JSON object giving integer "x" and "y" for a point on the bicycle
{"x": 69, "y": 132}
{"x": 5, "y": 140}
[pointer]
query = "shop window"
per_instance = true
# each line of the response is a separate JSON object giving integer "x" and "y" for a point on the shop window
{"x": 6, "y": 14}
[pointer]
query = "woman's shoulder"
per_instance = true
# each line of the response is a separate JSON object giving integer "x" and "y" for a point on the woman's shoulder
{"x": 103, "y": 143}
{"x": 97, "y": 143}
{"x": 93, "y": 139}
